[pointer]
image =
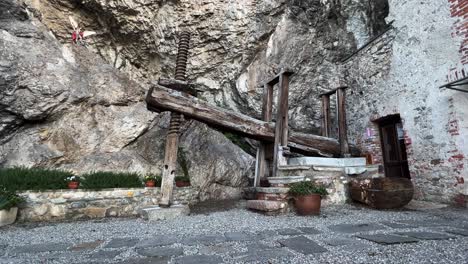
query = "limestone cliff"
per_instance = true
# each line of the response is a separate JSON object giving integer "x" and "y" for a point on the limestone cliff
{"x": 82, "y": 108}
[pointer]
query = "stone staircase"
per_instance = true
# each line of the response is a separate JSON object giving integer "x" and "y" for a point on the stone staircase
{"x": 334, "y": 173}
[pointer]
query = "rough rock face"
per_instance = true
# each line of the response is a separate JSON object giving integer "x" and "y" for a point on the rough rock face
{"x": 63, "y": 106}
{"x": 67, "y": 106}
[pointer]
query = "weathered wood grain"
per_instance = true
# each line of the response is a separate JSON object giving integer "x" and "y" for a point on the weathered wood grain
{"x": 229, "y": 121}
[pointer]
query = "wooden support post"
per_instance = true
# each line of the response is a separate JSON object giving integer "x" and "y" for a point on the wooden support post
{"x": 281, "y": 129}
{"x": 170, "y": 160}
{"x": 172, "y": 139}
{"x": 267, "y": 109}
{"x": 342, "y": 128}
{"x": 325, "y": 115}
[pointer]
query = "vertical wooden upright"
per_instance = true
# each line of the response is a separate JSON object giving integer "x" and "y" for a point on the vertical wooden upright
{"x": 282, "y": 119}
{"x": 172, "y": 139}
{"x": 325, "y": 115}
{"x": 267, "y": 109}
{"x": 342, "y": 128}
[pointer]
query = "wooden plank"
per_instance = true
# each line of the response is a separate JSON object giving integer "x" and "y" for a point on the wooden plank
{"x": 325, "y": 116}
{"x": 267, "y": 108}
{"x": 276, "y": 78}
{"x": 261, "y": 165}
{"x": 170, "y": 160}
{"x": 179, "y": 85}
{"x": 342, "y": 127}
{"x": 332, "y": 91}
{"x": 225, "y": 120}
{"x": 281, "y": 129}
{"x": 267, "y": 103}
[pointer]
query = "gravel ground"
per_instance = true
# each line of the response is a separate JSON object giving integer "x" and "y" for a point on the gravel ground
{"x": 355, "y": 250}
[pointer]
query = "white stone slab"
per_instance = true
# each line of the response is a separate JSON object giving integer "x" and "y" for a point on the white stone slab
{"x": 157, "y": 213}
{"x": 331, "y": 162}
{"x": 8, "y": 217}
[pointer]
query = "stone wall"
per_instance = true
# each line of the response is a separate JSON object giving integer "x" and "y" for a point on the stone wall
{"x": 85, "y": 204}
{"x": 400, "y": 73}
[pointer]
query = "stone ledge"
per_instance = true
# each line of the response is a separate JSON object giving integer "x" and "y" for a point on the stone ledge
{"x": 86, "y": 204}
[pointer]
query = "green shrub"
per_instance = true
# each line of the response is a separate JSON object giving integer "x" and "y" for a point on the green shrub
{"x": 154, "y": 177}
{"x": 9, "y": 199}
{"x": 182, "y": 178}
{"x": 104, "y": 179}
{"x": 306, "y": 188}
{"x": 22, "y": 178}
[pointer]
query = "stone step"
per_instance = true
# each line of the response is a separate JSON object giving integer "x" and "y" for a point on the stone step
{"x": 267, "y": 206}
{"x": 285, "y": 180}
{"x": 330, "y": 162}
{"x": 327, "y": 171}
{"x": 156, "y": 213}
{"x": 272, "y": 190}
{"x": 310, "y": 171}
{"x": 272, "y": 193}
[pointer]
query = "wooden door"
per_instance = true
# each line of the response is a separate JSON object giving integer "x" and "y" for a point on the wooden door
{"x": 393, "y": 147}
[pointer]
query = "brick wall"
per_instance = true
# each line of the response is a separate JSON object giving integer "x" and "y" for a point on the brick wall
{"x": 400, "y": 73}
{"x": 459, "y": 10}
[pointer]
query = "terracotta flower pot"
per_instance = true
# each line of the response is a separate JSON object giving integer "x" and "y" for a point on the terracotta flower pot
{"x": 308, "y": 204}
{"x": 182, "y": 183}
{"x": 150, "y": 183}
{"x": 73, "y": 185}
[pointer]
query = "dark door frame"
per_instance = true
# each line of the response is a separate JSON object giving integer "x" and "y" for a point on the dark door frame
{"x": 398, "y": 167}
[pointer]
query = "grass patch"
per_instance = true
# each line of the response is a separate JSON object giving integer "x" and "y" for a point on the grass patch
{"x": 36, "y": 179}
{"x": 105, "y": 179}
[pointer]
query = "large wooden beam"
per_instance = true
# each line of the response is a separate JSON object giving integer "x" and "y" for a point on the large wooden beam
{"x": 161, "y": 99}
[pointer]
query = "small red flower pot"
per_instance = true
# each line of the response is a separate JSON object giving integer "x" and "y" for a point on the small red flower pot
{"x": 73, "y": 185}
{"x": 150, "y": 183}
{"x": 182, "y": 183}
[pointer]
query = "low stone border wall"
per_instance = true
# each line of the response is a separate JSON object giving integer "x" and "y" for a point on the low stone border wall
{"x": 84, "y": 204}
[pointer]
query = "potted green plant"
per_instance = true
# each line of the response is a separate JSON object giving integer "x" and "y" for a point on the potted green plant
{"x": 152, "y": 180}
{"x": 182, "y": 181}
{"x": 307, "y": 197}
{"x": 73, "y": 182}
{"x": 9, "y": 202}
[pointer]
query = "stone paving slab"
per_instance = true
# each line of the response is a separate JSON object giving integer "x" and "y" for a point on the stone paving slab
{"x": 388, "y": 239}
{"x": 87, "y": 245}
{"x": 289, "y": 232}
{"x": 398, "y": 225}
{"x": 36, "y": 248}
{"x": 105, "y": 254}
{"x": 265, "y": 234}
{"x": 161, "y": 260}
{"x": 198, "y": 259}
{"x": 356, "y": 228}
{"x": 346, "y": 244}
{"x": 335, "y": 242}
{"x": 157, "y": 241}
{"x": 160, "y": 252}
{"x": 122, "y": 242}
{"x": 309, "y": 230}
{"x": 263, "y": 256}
{"x": 203, "y": 240}
{"x": 240, "y": 236}
{"x": 461, "y": 232}
{"x": 426, "y": 235}
{"x": 224, "y": 248}
{"x": 302, "y": 245}
{"x": 429, "y": 222}
{"x": 255, "y": 247}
